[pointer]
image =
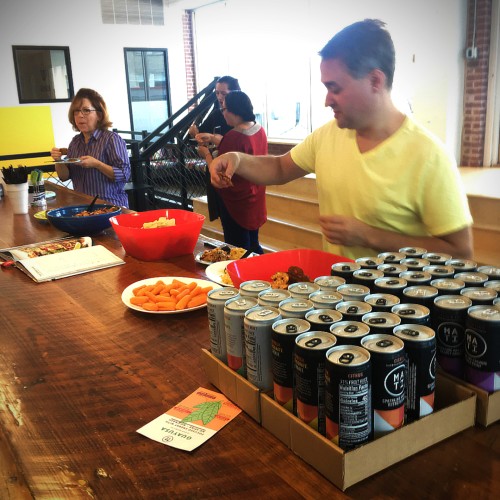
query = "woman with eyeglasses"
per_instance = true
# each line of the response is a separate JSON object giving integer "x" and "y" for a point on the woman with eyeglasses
{"x": 242, "y": 207}
{"x": 102, "y": 165}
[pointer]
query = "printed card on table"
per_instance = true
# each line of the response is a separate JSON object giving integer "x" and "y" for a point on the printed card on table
{"x": 192, "y": 421}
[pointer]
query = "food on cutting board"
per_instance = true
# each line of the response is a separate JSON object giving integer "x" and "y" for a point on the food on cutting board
{"x": 31, "y": 251}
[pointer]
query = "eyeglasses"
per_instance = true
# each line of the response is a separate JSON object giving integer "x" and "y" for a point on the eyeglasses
{"x": 84, "y": 111}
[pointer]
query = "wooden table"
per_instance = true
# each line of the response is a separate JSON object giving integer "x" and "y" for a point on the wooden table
{"x": 80, "y": 372}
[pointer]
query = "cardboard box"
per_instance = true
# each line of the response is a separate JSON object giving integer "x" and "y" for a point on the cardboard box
{"x": 455, "y": 407}
{"x": 487, "y": 404}
{"x": 237, "y": 388}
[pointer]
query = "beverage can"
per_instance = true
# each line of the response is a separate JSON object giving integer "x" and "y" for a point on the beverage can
{"x": 414, "y": 264}
{"x": 472, "y": 278}
{"x": 258, "y": 327}
{"x": 252, "y": 288}
{"x": 448, "y": 286}
{"x": 349, "y": 332}
{"x": 420, "y": 294}
{"x": 369, "y": 262}
{"x": 480, "y": 295}
{"x": 216, "y": 300}
{"x": 392, "y": 270}
{"x": 388, "y": 381}
{"x": 348, "y": 378}
{"x": 382, "y": 302}
{"x": 437, "y": 257}
{"x": 392, "y": 257}
{"x": 323, "y": 319}
{"x": 309, "y": 370}
{"x": 440, "y": 271}
{"x": 381, "y": 322}
{"x": 462, "y": 265}
{"x": 366, "y": 276}
{"x": 325, "y": 299}
{"x": 353, "y": 310}
{"x": 273, "y": 297}
{"x": 344, "y": 270}
{"x": 416, "y": 277}
{"x": 390, "y": 284}
{"x": 420, "y": 348}
{"x": 285, "y": 331}
{"x": 329, "y": 283}
{"x": 413, "y": 251}
{"x": 302, "y": 290}
{"x": 415, "y": 314}
{"x": 353, "y": 291}
{"x": 295, "y": 308}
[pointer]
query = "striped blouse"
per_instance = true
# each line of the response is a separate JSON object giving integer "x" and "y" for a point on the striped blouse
{"x": 110, "y": 148}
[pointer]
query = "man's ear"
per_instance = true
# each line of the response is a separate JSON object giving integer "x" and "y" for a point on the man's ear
{"x": 377, "y": 80}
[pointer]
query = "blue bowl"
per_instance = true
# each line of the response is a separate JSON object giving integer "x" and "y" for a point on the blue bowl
{"x": 65, "y": 219}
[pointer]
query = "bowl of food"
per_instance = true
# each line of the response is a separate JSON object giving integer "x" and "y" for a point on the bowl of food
{"x": 158, "y": 234}
{"x": 307, "y": 265}
{"x": 77, "y": 221}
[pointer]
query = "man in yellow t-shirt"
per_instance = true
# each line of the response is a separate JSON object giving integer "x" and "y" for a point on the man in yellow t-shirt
{"x": 384, "y": 182}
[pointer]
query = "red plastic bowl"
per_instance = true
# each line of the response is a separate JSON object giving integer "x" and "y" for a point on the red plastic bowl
{"x": 313, "y": 262}
{"x": 159, "y": 243}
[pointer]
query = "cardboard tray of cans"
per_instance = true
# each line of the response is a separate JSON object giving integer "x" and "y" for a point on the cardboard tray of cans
{"x": 487, "y": 405}
{"x": 454, "y": 412}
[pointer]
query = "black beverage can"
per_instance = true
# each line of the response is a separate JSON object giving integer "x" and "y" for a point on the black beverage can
{"x": 420, "y": 294}
{"x": 415, "y": 264}
{"x": 258, "y": 324}
{"x": 349, "y": 332}
{"x": 390, "y": 284}
{"x": 420, "y": 348}
{"x": 366, "y": 277}
{"x": 414, "y": 278}
{"x": 480, "y": 295}
{"x": 382, "y": 302}
{"x": 462, "y": 265}
{"x": 353, "y": 291}
{"x": 381, "y": 322}
{"x": 234, "y": 315}
{"x": 415, "y": 314}
{"x": 353, "y": 310}
{"x": 495, "y": 284}
{"x": 440, "y": 271}
{"x": 329, "y": 283}
{"x": 309, "y": 371}
{"x": 392, "y": 257}
{"x": 388, "y": 381}
{"x": 392, "y": 270}
{"x": 325, "y": 299}
{"x": 216, "y": 300}
{"x": 448, "y": 286}
{"x": 415, "y": 252}
{"x": 348, "y": 374}
{"x": 437, "y": 258}
{"x": 285, "y": 331}
{"x": 344, "y": 270}
{"x": 295, "y": 308}
{"x": 323, "y": 319}
{"x": 482, "y": 347}
{"x": 492, "y": 272}
{"x": 369, "y": 262}
{"x": 472, "y": 278}
{"x": 448, "y": 321}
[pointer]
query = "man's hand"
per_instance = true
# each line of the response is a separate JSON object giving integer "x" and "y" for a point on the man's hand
{"x": 342, "y": 230}
{"x": 222, "y": 170}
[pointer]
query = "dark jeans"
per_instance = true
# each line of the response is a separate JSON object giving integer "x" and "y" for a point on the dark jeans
{"x": 236, "y": 235}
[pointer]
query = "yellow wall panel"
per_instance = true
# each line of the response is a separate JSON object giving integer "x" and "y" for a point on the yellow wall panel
{"x": 25, "y": 129}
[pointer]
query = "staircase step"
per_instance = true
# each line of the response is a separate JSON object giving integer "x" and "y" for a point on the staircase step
{"x": 303, "y": 188}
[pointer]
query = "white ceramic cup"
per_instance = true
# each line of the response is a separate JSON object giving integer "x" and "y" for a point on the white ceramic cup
{"x": 17, "y": 194}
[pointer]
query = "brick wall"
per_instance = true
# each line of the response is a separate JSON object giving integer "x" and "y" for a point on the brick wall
{"x": 187, "y": 28}
{"x": 476, "y": 84}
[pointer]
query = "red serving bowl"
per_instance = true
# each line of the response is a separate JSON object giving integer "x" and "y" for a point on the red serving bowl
{"x": 314, "y": 263}
{"x": 162, "y": 242}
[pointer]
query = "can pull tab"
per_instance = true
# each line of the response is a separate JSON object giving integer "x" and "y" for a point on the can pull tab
{"x": 407, "y": 312}
{"x": 351, "y": 329}
{"x": 315, "y": 341}
{"x": 346, "y": 358}
{"x": 291, "y": 328}
{"x": 352, "y": 309}
{"x": 384, "y": 343}
{"x": 410, "y": 332}
{"x": 377, "y": 321}
{"x": 381, "y": 302}
{"x": 325, "y": 318}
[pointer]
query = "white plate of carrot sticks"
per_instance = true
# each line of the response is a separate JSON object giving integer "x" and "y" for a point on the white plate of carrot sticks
{"x": 167, "y": 295}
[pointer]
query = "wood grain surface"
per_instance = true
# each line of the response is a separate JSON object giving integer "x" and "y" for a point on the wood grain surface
{"x": 80, "y": 373}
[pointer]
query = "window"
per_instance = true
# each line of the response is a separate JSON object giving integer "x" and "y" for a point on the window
{"x": 148, "y": 87}
{"x": 43, "y": 74}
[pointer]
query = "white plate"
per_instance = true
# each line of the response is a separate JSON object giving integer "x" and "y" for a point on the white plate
{"x": 215, "y": 271}
{"x": 128, "y": 293}
{"x": 49, "y": 195}
{"x": 69, "y": 160}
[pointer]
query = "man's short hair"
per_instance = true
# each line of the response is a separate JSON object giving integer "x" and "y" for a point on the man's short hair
{"x": 362, "y": 47}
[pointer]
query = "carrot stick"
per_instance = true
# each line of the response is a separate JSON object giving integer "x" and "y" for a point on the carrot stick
{"x": 138, "y": 301}
{"x": 166, "y": 306}
{"x": 150, "y": 306}
{"x": 198, "y": 300}
{"x": 136, "y": 290}
{"x": 181, "y": 304}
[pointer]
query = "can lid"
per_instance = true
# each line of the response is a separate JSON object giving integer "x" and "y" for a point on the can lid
{"x": 353, "y": 290}
{"x": 485, "y": 312}
{"x": 324, "y": 316}
{"x": 223, "y": 293}
{"x": 369, "y": 261}
{"x": 472, "y": 277}
{"x": 462, "y": 264}
{"x": 382, "y": 299}
{"x": 381, "y": 319}
{"x": 255, "y": 285}
{"x": 348, "y": 355}
{"x": 413, "y": 251}
{"x": 296, "y": 304}
{"x": 456, "y": 302}
{"x": 368, "y": 274}
{"x": 420, "y": 291}
{"x": 491, "y": 271}
{"x": 437, "y": 258}
{"x": 391, "y": 282}
{"x": 329, "y": 282}
{"x": 410, "y": 310}
{"x": 345, "y": 267}
{"x": 303, "y": 288}
{"x": 479, "y": 292}
{"x": 416, "y": 276}
{"x": 495, "y": 284}
{"x": 414, "y": 333}
{"x": 389, "y": 257}
{"x": 291, "y": 326}
{"x": 382, "y": 343}
{"x": 274, "y": 295}
{"x": 447, "y": 284}
{"x": 350, "y": 329}
{"x": 240, "y": 303}
{"x": 316, "y": 340}
{"x": 263, "y": 314}
{"x": 353, "y": 307}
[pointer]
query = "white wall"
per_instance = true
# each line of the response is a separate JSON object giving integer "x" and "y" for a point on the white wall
{"x": 429, "y": 36}
{"x": 96, "y": 50}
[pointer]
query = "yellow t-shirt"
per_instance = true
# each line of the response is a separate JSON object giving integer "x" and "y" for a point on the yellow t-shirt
{"x": 408, "y": 184}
